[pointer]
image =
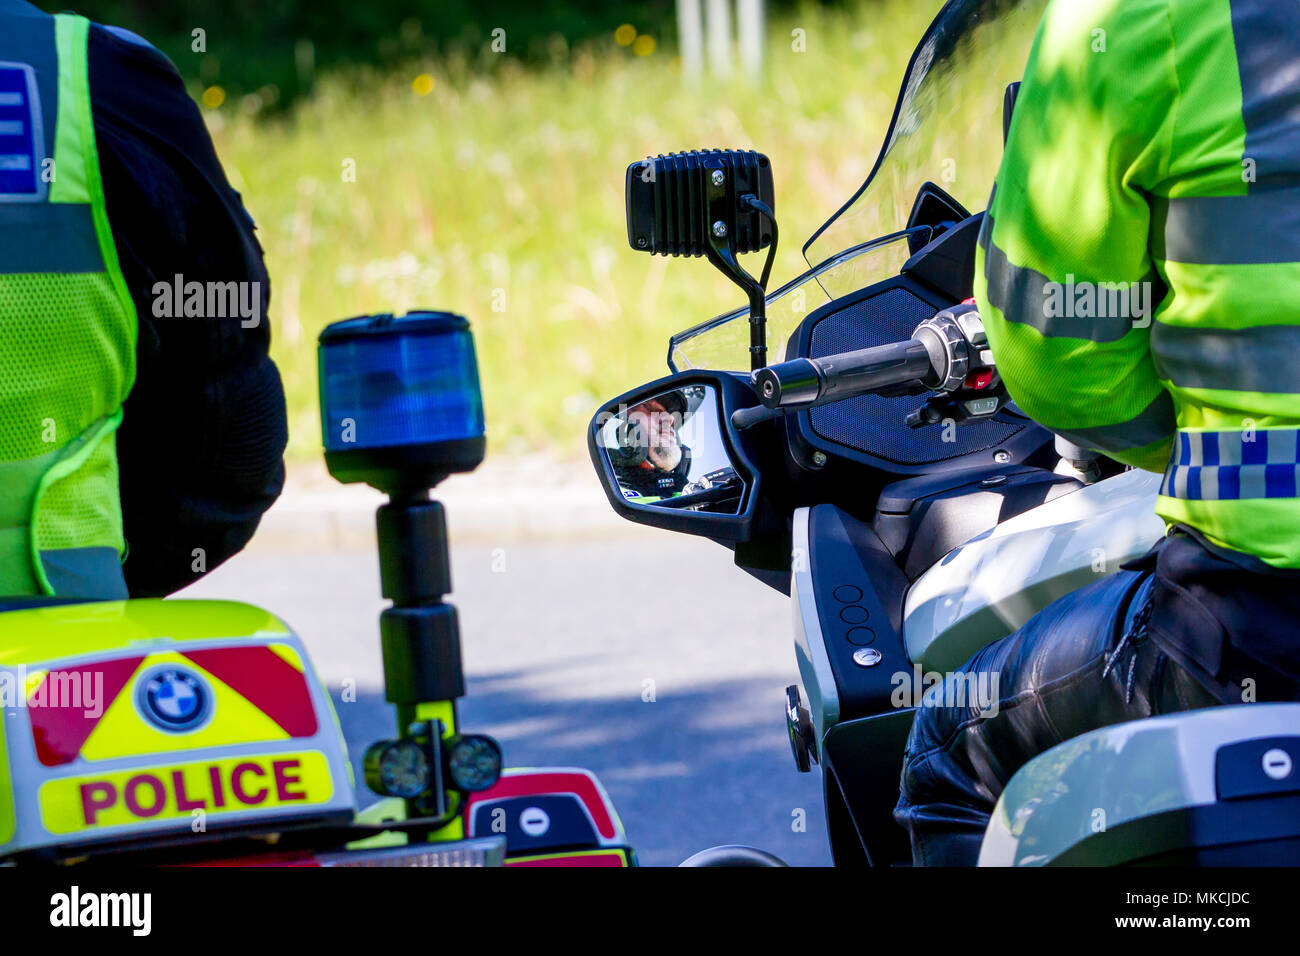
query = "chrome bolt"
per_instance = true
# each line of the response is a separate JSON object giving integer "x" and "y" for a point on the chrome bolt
{"x": 819, "y": 459}
{"x": 720, "y": 229}
{"x": 1002, "y": 457}
{"x": 718, "y": 177}
{"x": 867, "y": 657}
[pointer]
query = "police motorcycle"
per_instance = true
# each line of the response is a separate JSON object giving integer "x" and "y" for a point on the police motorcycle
{"x": 884, "y": 481}
{"x": 196, "y": 732}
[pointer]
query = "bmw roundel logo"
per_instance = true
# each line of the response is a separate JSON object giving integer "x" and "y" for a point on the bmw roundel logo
{"x": 173, "y": 698}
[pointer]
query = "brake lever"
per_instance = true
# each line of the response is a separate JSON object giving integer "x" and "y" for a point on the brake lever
{"x": 743, "y": 418}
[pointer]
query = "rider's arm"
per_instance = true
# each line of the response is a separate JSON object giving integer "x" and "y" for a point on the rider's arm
{"x": 1072, "y": 213}
{"x": 204, "y": 430}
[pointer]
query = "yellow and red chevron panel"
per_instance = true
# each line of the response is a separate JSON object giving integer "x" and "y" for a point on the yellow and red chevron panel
{"x": 143, "y": 702}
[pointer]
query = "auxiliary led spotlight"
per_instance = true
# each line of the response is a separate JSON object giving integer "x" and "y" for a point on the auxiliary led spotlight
{"x": 473, "y": 762}
{"x": 397, "y": 768}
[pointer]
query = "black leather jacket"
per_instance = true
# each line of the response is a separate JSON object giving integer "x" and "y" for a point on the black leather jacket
{"x": 204, "y": 428}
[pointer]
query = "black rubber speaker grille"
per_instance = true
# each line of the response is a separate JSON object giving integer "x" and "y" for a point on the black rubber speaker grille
{"x": 872, "y": 424}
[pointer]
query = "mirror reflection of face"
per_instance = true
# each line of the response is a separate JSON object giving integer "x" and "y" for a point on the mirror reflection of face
{"x": 671, "y": 447}
{"x": 664, "y": 451}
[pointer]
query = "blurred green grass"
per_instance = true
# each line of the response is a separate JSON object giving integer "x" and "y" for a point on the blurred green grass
{"x": 499, "y": 195}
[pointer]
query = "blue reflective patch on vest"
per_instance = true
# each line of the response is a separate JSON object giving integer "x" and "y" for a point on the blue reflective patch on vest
{"x": 21, "y": 139}
{"x": 1232, "y": 466}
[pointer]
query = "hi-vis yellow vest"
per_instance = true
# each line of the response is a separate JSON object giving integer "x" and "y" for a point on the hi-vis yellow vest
{"x": 67, "y": 322}
{"x": 1139, "y": 269}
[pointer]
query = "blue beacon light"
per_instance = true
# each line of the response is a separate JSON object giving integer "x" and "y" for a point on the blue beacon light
{"x": 401, "y": 406}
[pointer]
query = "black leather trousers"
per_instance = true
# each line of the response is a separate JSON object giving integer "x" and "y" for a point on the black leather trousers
{"x": 1091, "y": 659}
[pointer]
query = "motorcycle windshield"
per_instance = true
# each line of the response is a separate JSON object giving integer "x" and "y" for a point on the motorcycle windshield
{"x": 946, "y": 129}
{"x": 947, "y": 125}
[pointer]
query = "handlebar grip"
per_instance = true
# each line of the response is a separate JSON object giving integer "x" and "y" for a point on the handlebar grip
{"x": 806, "y": 381}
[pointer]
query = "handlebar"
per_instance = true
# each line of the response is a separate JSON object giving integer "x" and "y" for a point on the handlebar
{"x": 948, "y": 354}
{"x": 809, "y": 381}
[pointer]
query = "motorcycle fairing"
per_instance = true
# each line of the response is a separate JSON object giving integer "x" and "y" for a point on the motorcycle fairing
{"x": 993, "y": 584}
{"x": 1215, "y": 786}
{"x": 128, "y": 721}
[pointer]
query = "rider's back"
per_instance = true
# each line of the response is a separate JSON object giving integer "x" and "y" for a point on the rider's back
{"x": 109, "y": 184}
{"x": 1141, "y": 267}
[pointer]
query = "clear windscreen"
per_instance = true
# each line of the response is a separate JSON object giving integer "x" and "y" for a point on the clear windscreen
{"x": 947, "y": 129}
{"x": 947, "y": 126}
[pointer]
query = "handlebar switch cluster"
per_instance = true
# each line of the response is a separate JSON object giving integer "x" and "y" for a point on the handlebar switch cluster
{"x": 958, "y": 347}
{"x": 964, "y": 375}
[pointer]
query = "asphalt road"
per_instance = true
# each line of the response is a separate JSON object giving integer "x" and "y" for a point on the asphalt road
{"x": 647, "y": 657}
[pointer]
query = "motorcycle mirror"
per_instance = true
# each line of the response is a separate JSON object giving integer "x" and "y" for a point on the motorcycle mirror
{"x": 668, "y": 457}
{"x": 716, "y": 203}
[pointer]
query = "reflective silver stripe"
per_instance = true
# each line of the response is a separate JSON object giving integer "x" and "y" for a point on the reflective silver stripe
{"x": 1022, "y": 294}
{"x": 1282, "y": 445}
{"x": 1209, "y": 482}
{"x": 1155, "y": 423}
{"x": 85, "y": 572}
{"x": 1259, "y": 358}
{"x": 1267, "y": 37}
{"x": 48, "y": 237}
{"x": 1257, "y": 229}
{"x": 1180, "y": 482}
{"x": 1263, "y": 226}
